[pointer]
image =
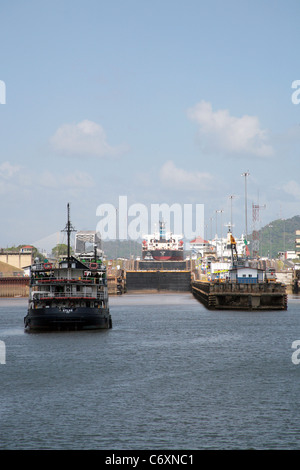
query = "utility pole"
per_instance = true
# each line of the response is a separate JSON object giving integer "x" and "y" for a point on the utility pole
{"x": 221, "y": 212}
{"x": 216, "y": 224}
{"x": 255, "y": 232}
{"x": 246, "y": 225}
{"x": 270, "y": 251}
{"x": 231, "y": 198}
{"x": 211, "y": 219}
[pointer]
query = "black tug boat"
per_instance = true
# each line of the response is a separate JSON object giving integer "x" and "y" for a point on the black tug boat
{"x": 71, "y": 294}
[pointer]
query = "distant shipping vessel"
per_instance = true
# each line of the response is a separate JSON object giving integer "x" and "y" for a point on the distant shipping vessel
{"x": 70, "y": 294}
{"x": 162, "y": 246}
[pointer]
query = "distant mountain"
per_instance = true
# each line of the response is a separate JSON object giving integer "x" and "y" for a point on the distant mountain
{"x": 278, "y": 235}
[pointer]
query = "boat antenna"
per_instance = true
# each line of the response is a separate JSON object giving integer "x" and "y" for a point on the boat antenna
{"x": 69, "y": 228}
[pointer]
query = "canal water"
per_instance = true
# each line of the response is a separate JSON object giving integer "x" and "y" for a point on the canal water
{"x": 169, "y": 375}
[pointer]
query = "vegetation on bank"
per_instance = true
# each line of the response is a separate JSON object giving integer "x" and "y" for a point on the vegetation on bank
{"x": 277, "y": 236}
{"x": 17, "y": 249}
{"x": 61, "y": 250}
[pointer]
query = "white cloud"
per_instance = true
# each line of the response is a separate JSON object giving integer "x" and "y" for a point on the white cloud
{"x": 7, "y": 170}
{"x": 179, "y": 178}
{"x": 221, "y": 132}
{"x": 79, "y": 179}
{"x": 75, "y": 180}
{"x": 143, "y": 178}
{"x": 12, "y": 179}
{"x": 86, "y": 138}
{"x": 292, "y": 188}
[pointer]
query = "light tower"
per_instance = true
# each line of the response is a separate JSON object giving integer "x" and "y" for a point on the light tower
{"x": 221, "y": 212}
{"x": 231, "y": 197}
{"x": 255, "y": 233}
{"x": 246, "y": 224}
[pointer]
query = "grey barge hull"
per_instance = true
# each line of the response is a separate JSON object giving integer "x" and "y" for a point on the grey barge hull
{"x": 233, "y": 296}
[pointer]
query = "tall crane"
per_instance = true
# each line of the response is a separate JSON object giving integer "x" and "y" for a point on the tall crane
{"x": 231, "y": 243}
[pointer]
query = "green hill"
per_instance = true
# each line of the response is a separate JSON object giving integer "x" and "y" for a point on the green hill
{"x": 278, "y": 235}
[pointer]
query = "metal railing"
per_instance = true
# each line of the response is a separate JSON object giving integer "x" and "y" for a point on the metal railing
{"x": 66, "y": 295}
{"x": 57, "y": 280}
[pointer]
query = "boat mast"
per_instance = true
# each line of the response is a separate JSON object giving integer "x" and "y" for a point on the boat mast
{"x": 69, "y": 228}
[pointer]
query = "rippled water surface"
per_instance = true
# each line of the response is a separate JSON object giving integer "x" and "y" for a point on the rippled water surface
{"x": 169, "y": 375}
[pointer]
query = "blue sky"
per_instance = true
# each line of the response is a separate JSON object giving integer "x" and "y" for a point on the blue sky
{"x": 165, "y": 101}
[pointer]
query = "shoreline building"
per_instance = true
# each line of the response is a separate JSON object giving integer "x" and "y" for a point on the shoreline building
{"x": 218, "y": 247}
{"x": 19, "y": 259}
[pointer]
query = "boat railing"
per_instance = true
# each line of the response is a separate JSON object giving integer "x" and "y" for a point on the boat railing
{"x": 38, "y": 268}
{"x": 56, "y": 280}
{"x": 66, "y": 295}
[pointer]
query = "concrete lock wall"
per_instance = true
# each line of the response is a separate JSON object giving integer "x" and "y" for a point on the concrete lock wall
{"x": 158, "y": 280}
{"x": 14, "y": 287}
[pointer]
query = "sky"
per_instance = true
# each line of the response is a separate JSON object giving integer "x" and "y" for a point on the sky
{"x": 161, "y": 101}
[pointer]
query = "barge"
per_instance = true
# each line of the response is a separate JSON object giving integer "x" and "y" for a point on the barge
{"x": 235, "y": 296}
{"x": 243, "y": 288}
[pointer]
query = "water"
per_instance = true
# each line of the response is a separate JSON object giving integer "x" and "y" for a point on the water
{"x": 169, "y": 375}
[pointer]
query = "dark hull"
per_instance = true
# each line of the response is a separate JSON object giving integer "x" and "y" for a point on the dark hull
{"x": 81, "y": 318}
{"x": 164, "y": 255}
